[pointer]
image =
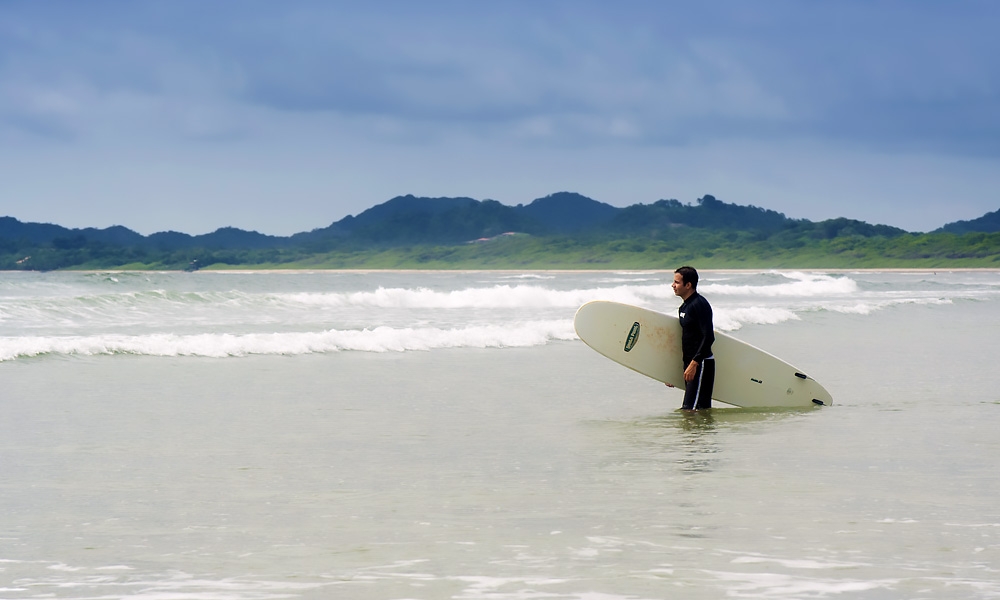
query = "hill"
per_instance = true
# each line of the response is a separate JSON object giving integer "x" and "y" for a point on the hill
{"x": 413, "y": 220}
{"x": 417, "y": 231}
{"x": 988, "y": 223}
{"x": 568, "y": 212}
{"x": 408, "y": 220}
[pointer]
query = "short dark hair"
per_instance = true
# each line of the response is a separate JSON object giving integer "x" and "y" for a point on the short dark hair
{"x": 689, "y": 275}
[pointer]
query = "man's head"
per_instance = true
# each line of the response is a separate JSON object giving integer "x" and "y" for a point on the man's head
{"x": 685, "y": 282}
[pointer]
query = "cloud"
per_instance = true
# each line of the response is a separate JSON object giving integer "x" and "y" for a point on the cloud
{"x": 647, "y": 72}
{"x": 348, "y": 104}
{"x": 586, "y": 79}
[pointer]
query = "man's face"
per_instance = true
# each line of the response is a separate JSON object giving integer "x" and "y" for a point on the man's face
{"x": 680, "y": 288}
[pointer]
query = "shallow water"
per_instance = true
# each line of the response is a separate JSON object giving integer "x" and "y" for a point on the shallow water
{"x": 492, "y": 463}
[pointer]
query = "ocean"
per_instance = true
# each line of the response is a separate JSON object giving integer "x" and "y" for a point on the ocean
{"x": 431, "y": 435}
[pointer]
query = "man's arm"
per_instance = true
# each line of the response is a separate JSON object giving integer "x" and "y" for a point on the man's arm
{"x": 703, "y": 318}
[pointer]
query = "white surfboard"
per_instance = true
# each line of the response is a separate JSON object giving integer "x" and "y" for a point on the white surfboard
{"x": 650, "y": 343}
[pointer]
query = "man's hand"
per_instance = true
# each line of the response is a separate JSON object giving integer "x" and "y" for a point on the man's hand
{"x": 690, "y": 371}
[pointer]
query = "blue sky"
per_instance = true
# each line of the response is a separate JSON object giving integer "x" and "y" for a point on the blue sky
{"x": 285, "y": 116}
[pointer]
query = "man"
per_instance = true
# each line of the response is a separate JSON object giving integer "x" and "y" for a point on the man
{"x": 697, "y": 337}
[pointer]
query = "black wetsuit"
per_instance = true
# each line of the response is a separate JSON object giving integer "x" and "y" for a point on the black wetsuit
{"x": 698, "y": 335}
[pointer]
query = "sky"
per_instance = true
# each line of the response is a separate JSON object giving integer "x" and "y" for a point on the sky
{"x": 281, "y": 117}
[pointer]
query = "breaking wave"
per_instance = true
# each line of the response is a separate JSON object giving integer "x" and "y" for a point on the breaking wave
{"x": 227, "y": 315}
{"x": 790, "y": 284}
{"x": 218, "y": 345}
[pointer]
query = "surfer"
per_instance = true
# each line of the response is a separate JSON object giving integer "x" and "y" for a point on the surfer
{"x": 697, "y": 337}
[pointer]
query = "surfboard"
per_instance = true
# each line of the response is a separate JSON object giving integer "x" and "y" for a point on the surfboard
{"x": 649, "y": 342}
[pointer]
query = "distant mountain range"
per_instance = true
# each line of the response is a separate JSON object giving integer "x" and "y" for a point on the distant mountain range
{"x": 410, "y": 220}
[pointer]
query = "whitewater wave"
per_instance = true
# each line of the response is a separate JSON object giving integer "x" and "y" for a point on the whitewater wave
{"x": 524, "y": 296}
{"x": 869, "y": 307}
{"x": 321, "y": 314}
{"x": 180, "y": 306}
{"x": 499, "y": 296}
{"x": 377, "y": 339}
{"x": 733, "y": 319}
{"x": 794, "y": 284}
{"x": 219, "y": 345}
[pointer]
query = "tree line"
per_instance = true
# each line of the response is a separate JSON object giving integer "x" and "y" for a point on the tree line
{"x": 563, "y": 230}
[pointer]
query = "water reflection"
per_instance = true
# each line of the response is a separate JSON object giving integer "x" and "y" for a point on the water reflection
{"x": 697, "y": 420}
{"x": 691, "y": 441}
{"x": 697, "y": 444}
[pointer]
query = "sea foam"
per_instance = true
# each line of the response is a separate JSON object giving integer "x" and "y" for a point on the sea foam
{"x": 378, "y": 339}
{"x": 216, "y": 315}
{"x": 791, "y": 284}
{"x": 499, "y": 296}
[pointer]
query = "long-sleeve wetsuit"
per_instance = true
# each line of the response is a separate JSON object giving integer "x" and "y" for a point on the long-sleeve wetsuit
{"x": 697, "y": 337}
{"x": 698, "y": 331}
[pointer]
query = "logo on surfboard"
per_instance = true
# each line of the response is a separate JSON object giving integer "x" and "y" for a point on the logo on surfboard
{"x": 633, "y": 337}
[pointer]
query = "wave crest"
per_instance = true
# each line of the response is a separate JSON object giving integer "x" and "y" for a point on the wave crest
{"x": 219, "y": 345}
{"x": 794, "y": 284}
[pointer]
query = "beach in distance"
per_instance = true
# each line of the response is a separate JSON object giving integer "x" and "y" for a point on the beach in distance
{"x": 444, "y": 434}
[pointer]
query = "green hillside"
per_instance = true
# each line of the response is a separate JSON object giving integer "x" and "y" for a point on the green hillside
{"x": 560, "y": 231}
